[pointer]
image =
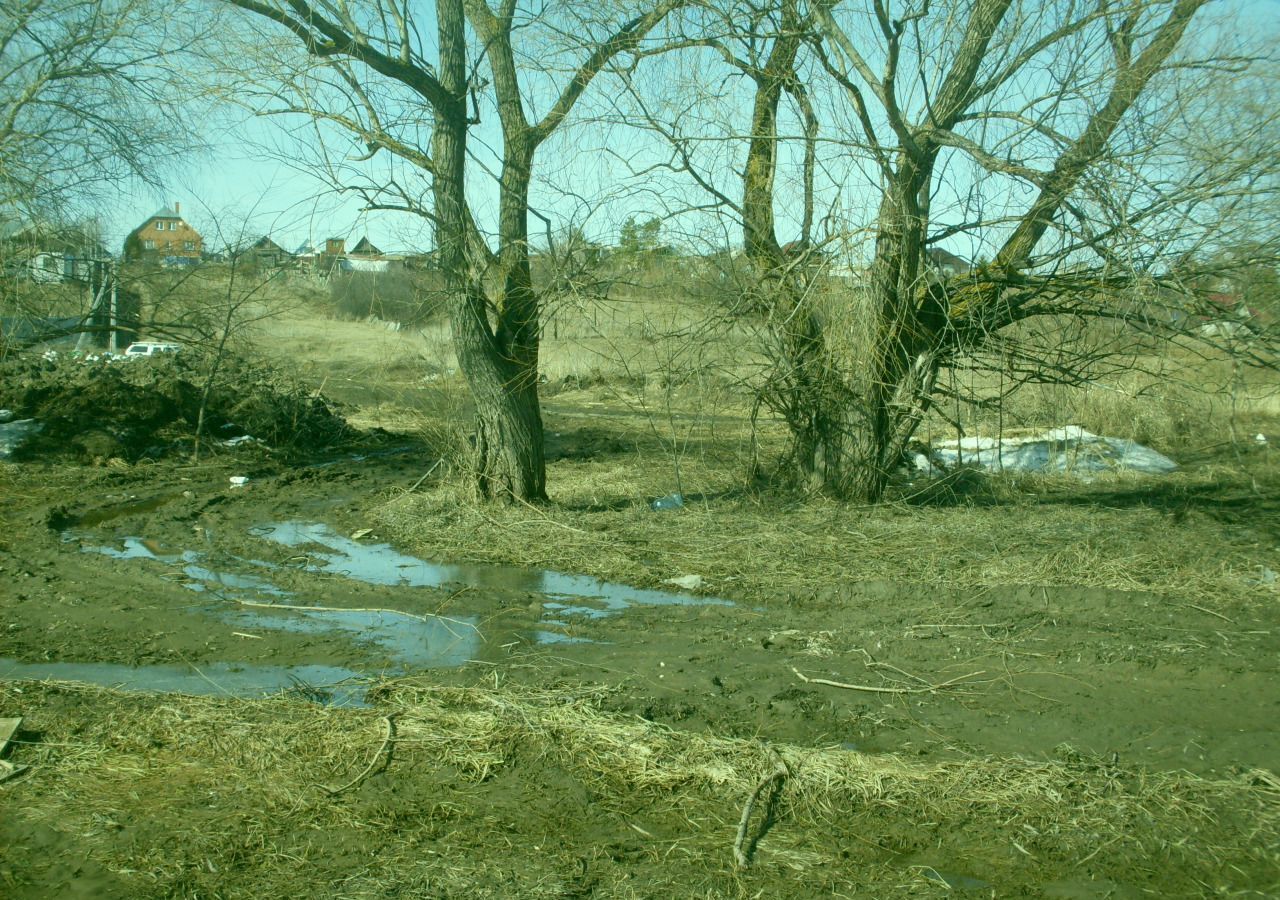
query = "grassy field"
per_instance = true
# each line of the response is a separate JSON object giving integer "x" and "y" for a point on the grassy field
{"x": 1043, "y": 687}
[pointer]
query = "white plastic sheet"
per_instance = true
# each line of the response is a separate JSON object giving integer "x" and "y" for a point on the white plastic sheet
{"x": 1069, "y": 449}
{"x": 12, "y": 435}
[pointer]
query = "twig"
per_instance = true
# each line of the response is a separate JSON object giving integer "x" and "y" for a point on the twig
{"x": 741, "y": 855}
{"x": 204, "y": 676}
{"x": 426, "y": 475}
{"x": 984, "y": 625}
{"x": 1210, "y": 612}
{"x": 887, "y": 690}
{"x": 386, "y": 742}
{"x": 543, "y": 518}
{"x": 879, "y": 665}
{"x": 417, "y": 483}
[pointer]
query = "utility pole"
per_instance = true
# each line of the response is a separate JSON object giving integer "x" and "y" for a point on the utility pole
{"x": 112, "y": 343}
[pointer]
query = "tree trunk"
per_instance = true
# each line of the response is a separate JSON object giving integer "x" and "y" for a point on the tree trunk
{"x": 508, "y": 458}
{"x": 850, "y": 441}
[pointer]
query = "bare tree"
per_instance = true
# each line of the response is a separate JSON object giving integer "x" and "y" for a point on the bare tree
{"x": 413, "y": 102}
{"x": 1056, "y": 139}
{"x": 1103, "y": 198}
{"x": 83, "y": 104}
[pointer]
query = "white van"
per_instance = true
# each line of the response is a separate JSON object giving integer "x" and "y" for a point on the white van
{"x": 150, "y": 348}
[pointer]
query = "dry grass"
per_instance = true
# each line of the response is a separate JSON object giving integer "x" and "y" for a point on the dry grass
{"x": 1177, "y": 535}
{"x": 512, "y": 792}
{"x": 672, "y": 404}
{"x": 1174, "y": 402}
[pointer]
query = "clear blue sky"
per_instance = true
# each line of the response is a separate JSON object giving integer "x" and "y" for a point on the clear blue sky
{"x": 236, "y": 192}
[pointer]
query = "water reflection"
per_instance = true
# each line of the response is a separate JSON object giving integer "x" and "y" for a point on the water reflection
{"x": 328, "y": 551}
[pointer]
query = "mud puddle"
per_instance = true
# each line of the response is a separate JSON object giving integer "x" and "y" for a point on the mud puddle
{"x": 254, "y": 596}
{"x": 252, "y": 602}
{"x": 566, "y": 595}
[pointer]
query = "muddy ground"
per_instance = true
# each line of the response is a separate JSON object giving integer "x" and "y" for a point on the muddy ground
{"x": 1153, "y": 680}
{"x": 170, "y": 571}
{"x": 1041, "y": 674}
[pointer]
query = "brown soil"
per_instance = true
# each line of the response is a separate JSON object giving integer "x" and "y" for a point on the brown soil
{"x": 136, "y": 409}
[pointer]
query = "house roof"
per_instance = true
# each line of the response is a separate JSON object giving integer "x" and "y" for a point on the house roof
{"x": 366, "y": 246}
{"x": 165, "y": 212}
{"x": 65, "y": 238}
{"x": 265, "y": 243}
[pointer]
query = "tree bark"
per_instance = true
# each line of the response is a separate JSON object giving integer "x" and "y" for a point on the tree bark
{"x": 508, "y": 461}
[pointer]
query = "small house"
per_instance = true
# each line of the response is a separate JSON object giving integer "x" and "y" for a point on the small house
{"x": 166, "y": 236}
{"x": 365, "y": 249}
{"x": 944, "y": 263}
{"x": 266, "y": 254}
{"x": 49, "y": 255}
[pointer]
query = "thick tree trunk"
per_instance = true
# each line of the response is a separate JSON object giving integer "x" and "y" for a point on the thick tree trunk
{"x": 851, "y": 417}
{"x": 508, "y": 462}
{"x": 508, "y": 459}
{"x": 851, "y": 441}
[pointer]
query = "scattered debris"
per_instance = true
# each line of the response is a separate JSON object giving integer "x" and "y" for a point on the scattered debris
{"x": 688, "y": 582}
{"x": 361, "y": 533}
{"x": 238, "y": 481}
{"x": 671, "y": 501}
{"x": 816, "y": 643}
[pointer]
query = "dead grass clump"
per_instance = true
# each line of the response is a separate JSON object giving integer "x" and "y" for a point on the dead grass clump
{"x": 516, "y": 792}
{"x": 1182, "y": 534}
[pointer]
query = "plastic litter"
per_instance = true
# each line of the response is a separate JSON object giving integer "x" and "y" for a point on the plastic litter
{"x": 239, "y": 480}
{"x": 671, "y": 501}
{"x": 13, "y": 434}
{"x": 687, "y": 582}
{"x": 1069, "y": 449}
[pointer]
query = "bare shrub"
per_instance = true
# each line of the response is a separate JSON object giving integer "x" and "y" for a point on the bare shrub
{"x": 397, "y": 295}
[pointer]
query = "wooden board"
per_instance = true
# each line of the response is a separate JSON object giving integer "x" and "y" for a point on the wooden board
{"x": 8, "y": 728}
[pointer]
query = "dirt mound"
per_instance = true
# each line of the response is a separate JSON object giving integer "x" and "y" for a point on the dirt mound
{"x": 94, "y": 410}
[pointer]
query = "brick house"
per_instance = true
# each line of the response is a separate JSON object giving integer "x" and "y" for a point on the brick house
{"x": 166, "y": 236}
